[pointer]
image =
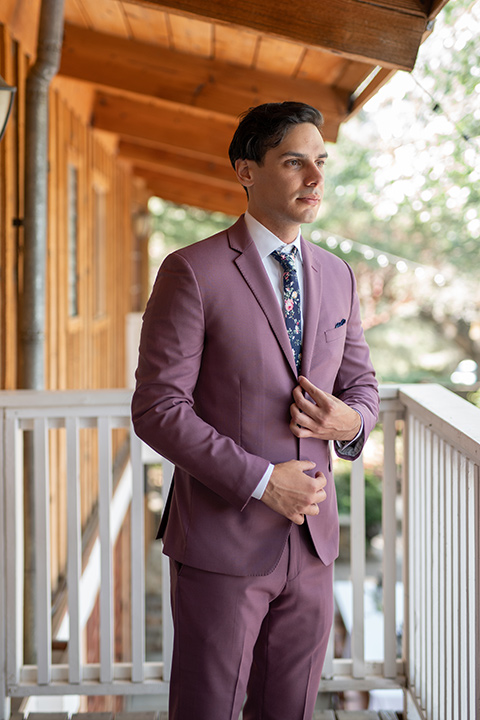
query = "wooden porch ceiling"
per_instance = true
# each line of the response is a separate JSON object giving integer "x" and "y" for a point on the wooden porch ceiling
{"x": 171, "y": 77}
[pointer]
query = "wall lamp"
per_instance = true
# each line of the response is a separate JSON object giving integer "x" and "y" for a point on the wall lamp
{"x": 7, "y": 95}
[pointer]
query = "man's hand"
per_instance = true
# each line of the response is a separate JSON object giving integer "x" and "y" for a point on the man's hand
{"x": 292, "y": 493}
{"x": 327, "y": 418}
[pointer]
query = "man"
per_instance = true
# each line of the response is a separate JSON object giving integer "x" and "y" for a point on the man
{"x": 249, "y": 364}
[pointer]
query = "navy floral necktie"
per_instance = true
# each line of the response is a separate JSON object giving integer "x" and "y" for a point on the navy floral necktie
{"x": 291, "y": 301}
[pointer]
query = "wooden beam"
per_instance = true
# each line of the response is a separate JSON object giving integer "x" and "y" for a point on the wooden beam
{"x": 201, "y": 195}
{"x": 378, "y": 81}
{"x": 152, "y": 158}
{"x": 187, "y": 79}
{"x": 168, "y": 125}
{"x": 205, "y": 135}
{"x": 434, "y": 7}
{"x": 386, "y": 32}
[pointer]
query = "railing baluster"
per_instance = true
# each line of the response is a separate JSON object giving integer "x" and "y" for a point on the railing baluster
{"x": 463, "y": 584}
{"x": 14, "y": 543}
{"x": 4, "y": 700}
{"x": 455, "y": 587}
{"x": 42, "y": 550}
{"x": 473, "y": 592}
{"x": 389, "y": 522}
{"x": 435, "y": 586}
{"x": 415, "y": 557}
{"x": 167, "y": 628}
{"x": 428, "y": 608}
{"x": 409, "y": 536}
{"x": 423, "y": 570}
{"x": 442, "y": 614}
{"x": 449, "y": 580}
{"x": 74, "y": 550}
{"x": 357, "y": 554}
{"x": 137, "y": 560}
{"x": 106, "y": 572}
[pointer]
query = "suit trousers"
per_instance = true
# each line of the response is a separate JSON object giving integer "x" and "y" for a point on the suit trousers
{"x": 263, "y": 637}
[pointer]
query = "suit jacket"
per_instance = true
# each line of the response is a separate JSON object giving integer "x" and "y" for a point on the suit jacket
{"x": 214, "y": 387}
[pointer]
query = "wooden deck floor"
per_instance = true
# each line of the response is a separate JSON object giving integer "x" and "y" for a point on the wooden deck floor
{"x": 319, "y": 715}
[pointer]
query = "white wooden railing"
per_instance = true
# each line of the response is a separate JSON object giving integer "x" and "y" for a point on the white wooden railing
{"x": 440, "y": 661}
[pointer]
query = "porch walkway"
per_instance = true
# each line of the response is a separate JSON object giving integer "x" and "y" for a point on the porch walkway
{"x": 319, "y": 715}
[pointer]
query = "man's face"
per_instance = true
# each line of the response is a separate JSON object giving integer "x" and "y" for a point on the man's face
{"x": 287, "y": 189}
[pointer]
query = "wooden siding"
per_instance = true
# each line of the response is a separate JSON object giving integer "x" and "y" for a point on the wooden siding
{"x": 84, "y": 349}
{"x": 12, "y": 70}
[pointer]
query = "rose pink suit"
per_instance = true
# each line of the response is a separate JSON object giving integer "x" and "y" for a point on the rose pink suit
{"x": 214, "y": 387}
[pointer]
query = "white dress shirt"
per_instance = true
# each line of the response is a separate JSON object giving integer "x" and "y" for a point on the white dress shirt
{"x": 266, "y": 242}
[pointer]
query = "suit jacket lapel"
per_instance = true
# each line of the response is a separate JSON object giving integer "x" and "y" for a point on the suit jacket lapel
{"x": 251, "y": 267}
{"x": 312, "y": 284}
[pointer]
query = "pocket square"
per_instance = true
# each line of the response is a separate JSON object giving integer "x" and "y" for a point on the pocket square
{"x": 342, "y": 322}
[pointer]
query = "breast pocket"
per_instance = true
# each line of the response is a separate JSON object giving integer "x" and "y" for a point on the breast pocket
{"x": 336, "y": 333}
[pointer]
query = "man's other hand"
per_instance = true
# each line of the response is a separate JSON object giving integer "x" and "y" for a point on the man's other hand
{"x": 292, "y": 493}
{"x": 326, "y": 418}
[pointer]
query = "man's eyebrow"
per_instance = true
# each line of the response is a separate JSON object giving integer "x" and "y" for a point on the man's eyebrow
{"x": 292, "y": 153}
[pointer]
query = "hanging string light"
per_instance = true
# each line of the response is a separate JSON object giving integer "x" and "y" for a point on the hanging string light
{"x": 381, "y": 257}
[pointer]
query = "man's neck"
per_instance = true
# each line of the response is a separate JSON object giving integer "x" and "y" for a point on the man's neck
{"x": 286, "y": 234}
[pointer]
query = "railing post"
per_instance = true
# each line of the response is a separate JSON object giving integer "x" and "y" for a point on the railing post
{"x": 138, "y": 559}
{"x": 167, "y": 633}
{"x": 4, "y": 700}
{"x": 74, "y": 549}
{"x": 14, "y": 559}
{"x": 106, "y": 569}
{"x": 389, "y": 522}
{"x": 42, "y": 550}
{"x": 357, "y": 555}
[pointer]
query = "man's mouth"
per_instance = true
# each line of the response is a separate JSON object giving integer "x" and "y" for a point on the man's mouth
{"x": 310, "y": 199}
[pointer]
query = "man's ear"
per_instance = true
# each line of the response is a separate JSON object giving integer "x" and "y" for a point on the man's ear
{"x": 243, "y": 171}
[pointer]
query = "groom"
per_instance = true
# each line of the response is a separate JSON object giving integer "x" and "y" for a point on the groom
{"x": 252, "y": 358}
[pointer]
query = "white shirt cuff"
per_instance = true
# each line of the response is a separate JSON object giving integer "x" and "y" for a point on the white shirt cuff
{"x": 350, "y": 447}
{"x": 260, "y": 489}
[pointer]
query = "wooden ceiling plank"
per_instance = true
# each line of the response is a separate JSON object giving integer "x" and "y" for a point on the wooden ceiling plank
{"x": 233, "y": 45}
{"x": 192, "y": 36}
{"x": 74, "y": 13}
{"x": 383, "y": 34}
{"x": 106, "y": 17}
{"x": 279, "y": 56}
{"x": 180, "y": 78}
{"x": 353, "y": 74}
{"x": 180, "y": 191}
{"x": 318, "y": 64}
{"x": 148, "y": 25}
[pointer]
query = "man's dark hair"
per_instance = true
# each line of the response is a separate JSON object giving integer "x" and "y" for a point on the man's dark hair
{"x": 265, "y": 126}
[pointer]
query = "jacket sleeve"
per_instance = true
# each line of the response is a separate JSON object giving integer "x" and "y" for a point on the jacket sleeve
{"x": 163, "y": 410}
{"x": 355, "y": 383}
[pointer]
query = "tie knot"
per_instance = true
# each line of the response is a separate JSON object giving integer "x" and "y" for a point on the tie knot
{"x": 286, "y": 260}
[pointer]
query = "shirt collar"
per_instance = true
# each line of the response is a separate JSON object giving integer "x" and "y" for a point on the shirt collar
{"x": 265, "y": 241}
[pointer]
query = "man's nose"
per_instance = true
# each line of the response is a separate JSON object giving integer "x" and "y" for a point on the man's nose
{"x": 314, "y": 176}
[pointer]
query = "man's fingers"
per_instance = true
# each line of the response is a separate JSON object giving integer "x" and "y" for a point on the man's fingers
{"x": 320, "y": 397}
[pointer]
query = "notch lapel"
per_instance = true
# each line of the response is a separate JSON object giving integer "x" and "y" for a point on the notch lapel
{"x": 312, "y": 288}
{"x": 252, "y": 269}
